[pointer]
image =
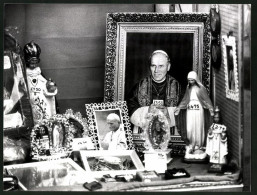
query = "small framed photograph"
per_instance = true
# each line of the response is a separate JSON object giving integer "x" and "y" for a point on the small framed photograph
{"x": 57, "y": 136}
{"x": 47, "y": 174}
{"x": 230, "y": 67}
{"x": 105, "y": 132}
{"x": 103, "y": 162}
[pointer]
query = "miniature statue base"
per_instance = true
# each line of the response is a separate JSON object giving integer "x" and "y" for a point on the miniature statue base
{"x": 196, "y": 158}
{"x": 215, "y": 168}
{"x": 195, "y": 155}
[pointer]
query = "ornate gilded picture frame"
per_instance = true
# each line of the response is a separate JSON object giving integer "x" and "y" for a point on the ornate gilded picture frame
{"x": 97, "y": 114}
{"x": 230, "y": 67}
{"x": 132, "y": 37}
{"x": 54, "y": 138}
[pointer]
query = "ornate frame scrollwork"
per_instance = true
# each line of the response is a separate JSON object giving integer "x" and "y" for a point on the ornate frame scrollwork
{"x": 230, "y": 67}
{"x": 70, "y": 115}
{"x": 120, "y": 24}
{"x": 121, "y": 106}
{"x": 42, "y": 142}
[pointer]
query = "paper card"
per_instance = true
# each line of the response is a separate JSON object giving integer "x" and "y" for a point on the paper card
{"x": 156, "y": 161}
{"x": 158, "y": 102}
{"x": 84, "y": 143}
{"x": 7, "y": 62}
{"x": 220, "y": 127}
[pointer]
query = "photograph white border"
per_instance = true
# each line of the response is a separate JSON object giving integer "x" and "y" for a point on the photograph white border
{"x": 230, "y": 41}
{"x": 106, "y": 153}
{"x": 92, "y": 123}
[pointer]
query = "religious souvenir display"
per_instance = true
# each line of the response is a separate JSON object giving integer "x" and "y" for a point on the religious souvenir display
{"x": 16, "y": 108}
{"x": 155, "y": 121}
{"x": 194, "y": 116}
{"x": 125, "y": 67}
{"x": 47, "y": 174}
{"x": 216, "y": 146}
{"x": 109, "y": 125}
{"x": 42, "y": 91}
{"x": 53, "y": 138}
{"x": 102, "y": 162}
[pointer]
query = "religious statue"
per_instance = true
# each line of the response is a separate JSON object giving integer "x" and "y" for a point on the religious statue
{"x": 193, "y": 117}
{"x": 216, "y": 146}
{"x": 42, "y": 91}
{"x": 57, "y": 135}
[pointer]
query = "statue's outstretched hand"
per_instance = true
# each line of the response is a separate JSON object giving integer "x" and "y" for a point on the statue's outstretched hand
{"x": 211, "y": 112}
{"x": 177, "y": 110}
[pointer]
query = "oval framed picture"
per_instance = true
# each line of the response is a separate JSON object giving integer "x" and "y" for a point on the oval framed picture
{"x": 157, "y": 131}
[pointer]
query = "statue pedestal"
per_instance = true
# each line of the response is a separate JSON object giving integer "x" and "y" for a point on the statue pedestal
{"x": 193, "y": 160}
{"x": 157, "y": 160}
{"x": 195, "y": 156}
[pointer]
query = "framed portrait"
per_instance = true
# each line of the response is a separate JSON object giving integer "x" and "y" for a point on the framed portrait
{"x": 56, "y": 137}
{"x": 104, "y": 162}
{"x": 230, "y": 67}
{"x": 97, "y": 120}
{"x": 132, "y": 37}
{"x": 47, "y": 174}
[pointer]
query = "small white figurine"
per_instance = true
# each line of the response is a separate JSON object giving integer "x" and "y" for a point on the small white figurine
{"x": 42, "y": 92}
{"x": 216, "y": 146}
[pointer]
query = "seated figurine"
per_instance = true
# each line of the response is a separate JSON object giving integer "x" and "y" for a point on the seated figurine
{"x": 42, "y": 92}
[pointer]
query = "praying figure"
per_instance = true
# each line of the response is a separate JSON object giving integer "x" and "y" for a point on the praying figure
{"x": 196, "y": 110}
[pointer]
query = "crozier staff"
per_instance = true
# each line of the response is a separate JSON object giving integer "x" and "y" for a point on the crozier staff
{"x": 115, "y": 139}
